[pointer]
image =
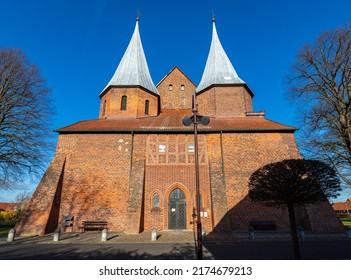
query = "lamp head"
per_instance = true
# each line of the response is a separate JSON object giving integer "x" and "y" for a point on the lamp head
{"x": 205, "y": 120}
{"x": 187, "y": 121}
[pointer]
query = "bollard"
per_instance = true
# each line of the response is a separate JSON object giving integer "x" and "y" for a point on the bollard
{"x": 154, "y": 234}
{"x": 348, "y": 232}
{"x": 301, "y": 232}
{"x": 11, "y": 235}
{"x": 203, "y": 233}
{"x": 57, "y": 234}
{"x": 251, "y": 233}
{"x": 104, "y": 234}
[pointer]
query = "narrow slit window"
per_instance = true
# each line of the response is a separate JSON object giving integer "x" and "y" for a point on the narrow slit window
{"x": 124, "y": 103}
{"x": 147, "y": 105}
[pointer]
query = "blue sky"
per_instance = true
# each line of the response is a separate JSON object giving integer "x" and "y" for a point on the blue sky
{"x": 78, "y": 44}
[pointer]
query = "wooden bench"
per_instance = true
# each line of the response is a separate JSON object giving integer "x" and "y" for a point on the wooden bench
{"x": 263, "y": 225}
{"x": 93, "y": 225}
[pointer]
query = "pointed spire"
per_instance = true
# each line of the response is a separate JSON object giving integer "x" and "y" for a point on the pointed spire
{"x": 132, "y": 69}
{"x": 218, "y": 70}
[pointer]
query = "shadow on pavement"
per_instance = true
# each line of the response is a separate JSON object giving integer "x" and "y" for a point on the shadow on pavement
{"x": 171, "y": 246}
{"x": 97, "y": 252}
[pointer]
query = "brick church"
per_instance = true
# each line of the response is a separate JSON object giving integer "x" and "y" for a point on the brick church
{"x": 133, "y": 167}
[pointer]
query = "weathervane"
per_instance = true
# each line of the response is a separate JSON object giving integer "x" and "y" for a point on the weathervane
{"x": 138, "y": 15}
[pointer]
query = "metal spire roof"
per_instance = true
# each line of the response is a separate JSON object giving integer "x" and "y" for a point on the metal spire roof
{"x": 132, "y": 69}
{"x": 218, "y": 69}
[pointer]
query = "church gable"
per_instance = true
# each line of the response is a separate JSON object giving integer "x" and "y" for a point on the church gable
{"x": 176, "y": 90}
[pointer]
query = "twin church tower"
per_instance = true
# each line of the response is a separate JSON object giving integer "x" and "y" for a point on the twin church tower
{"x": 133, "y": 167}
{"x": 120, "y": 99}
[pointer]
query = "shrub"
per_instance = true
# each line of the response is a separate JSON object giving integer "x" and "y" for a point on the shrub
{"x": 8, "y": 216}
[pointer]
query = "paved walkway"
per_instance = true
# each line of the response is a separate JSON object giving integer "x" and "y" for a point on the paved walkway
{"x": 95, "y": 237}
{"x": 181, "y": 236}
{"x": 175, "y": 245}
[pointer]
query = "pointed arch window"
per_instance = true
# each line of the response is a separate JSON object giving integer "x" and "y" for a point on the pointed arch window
{"x": 156, "y": 200}
{"x": 124, "y": 103}
{"x": 147, "y": 105}
{"x": 201, "y": 203}
{"x": 177, "y": 194}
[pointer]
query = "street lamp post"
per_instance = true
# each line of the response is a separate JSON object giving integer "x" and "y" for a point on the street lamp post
{"x": 196, "y": 119}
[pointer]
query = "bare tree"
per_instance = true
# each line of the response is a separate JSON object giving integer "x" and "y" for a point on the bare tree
{"x": 25, "y": 116}
{"x": 321, "y": 84}
{"x": 291, "y": 183}
{"x": 22, "y": 198}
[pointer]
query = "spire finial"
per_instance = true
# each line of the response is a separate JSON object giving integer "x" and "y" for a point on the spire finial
{"x": 138, "y": 15}
{"x": 213, "y": 16}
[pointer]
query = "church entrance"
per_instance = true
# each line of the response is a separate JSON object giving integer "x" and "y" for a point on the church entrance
{"x": 177, "y": 210}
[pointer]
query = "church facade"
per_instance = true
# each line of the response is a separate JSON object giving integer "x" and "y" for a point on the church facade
{"x": 133, "y": 167}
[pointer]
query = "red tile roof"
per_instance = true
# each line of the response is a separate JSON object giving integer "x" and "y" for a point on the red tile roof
{"x": 342, "y": 206}
{"x": 9, "y": 206}
{"x": 171, "y": 120}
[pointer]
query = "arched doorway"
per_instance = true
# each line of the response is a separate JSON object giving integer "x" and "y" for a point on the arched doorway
{"x": 177, "y": 210}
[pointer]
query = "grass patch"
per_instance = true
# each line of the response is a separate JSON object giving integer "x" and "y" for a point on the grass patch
{"x": 5, "y": 228}
{"x": 346, "y": 222}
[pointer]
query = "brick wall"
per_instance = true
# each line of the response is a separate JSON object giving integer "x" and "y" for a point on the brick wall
{"x": 218, "y": 183}
{"x": 176, "y": 96}
{"x": 110, "y": 103}
{"x": 244, "y": 154}
{"x": 92, "y": 177}
{"x": 323, "y": 218}
{"x": 41, "y": 213}
{"x": 229, "y": 101}
{"x": 163, "y": 178}
{"x": 134, "y": 218}
{"x": 96, "y": 177}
